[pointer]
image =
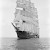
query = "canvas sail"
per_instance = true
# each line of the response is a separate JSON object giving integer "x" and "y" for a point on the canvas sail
{"x": 26, "y": 18}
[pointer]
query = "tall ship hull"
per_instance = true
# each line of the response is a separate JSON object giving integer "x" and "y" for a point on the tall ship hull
{"x": 26, "y": 20}
{"x": 24, "y": 34}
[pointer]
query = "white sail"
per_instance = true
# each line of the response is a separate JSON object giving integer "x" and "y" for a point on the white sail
{"x": 27, "y": 13}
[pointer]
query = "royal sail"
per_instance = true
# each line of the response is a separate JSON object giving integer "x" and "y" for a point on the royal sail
{"x": 26, "y": 20}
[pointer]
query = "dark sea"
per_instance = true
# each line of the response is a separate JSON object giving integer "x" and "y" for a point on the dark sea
{"x": 25, "y": 44}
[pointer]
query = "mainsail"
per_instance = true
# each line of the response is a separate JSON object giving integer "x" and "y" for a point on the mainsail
{"x": 26, "y": 17}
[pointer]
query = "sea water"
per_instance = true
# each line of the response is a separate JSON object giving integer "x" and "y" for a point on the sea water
{"x": 25, "y": 44}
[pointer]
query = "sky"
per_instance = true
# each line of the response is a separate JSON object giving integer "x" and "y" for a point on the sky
{"x": 7, "y": 10}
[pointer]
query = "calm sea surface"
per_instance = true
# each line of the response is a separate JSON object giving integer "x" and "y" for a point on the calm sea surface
{"x": 24, "y": 44}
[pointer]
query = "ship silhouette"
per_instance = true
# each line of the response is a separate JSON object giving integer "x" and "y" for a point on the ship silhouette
{"x": 26, "y": 20}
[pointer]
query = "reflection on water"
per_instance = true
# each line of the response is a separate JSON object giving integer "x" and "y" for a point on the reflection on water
{"x": 25, "y": 44}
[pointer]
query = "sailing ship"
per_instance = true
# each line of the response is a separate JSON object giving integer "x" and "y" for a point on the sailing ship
{"x": 26, "y": 20}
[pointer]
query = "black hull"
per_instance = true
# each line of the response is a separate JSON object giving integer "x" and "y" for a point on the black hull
{"x": 25, "y": 35}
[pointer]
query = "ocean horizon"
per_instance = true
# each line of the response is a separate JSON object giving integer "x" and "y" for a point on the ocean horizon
{"x": 24, "y": 44}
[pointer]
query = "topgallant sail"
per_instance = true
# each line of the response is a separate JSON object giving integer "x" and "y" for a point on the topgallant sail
{"x": 26, "y": 20}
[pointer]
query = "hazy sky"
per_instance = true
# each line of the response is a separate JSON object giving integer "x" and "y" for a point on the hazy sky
{"x": 8, "y": 9}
